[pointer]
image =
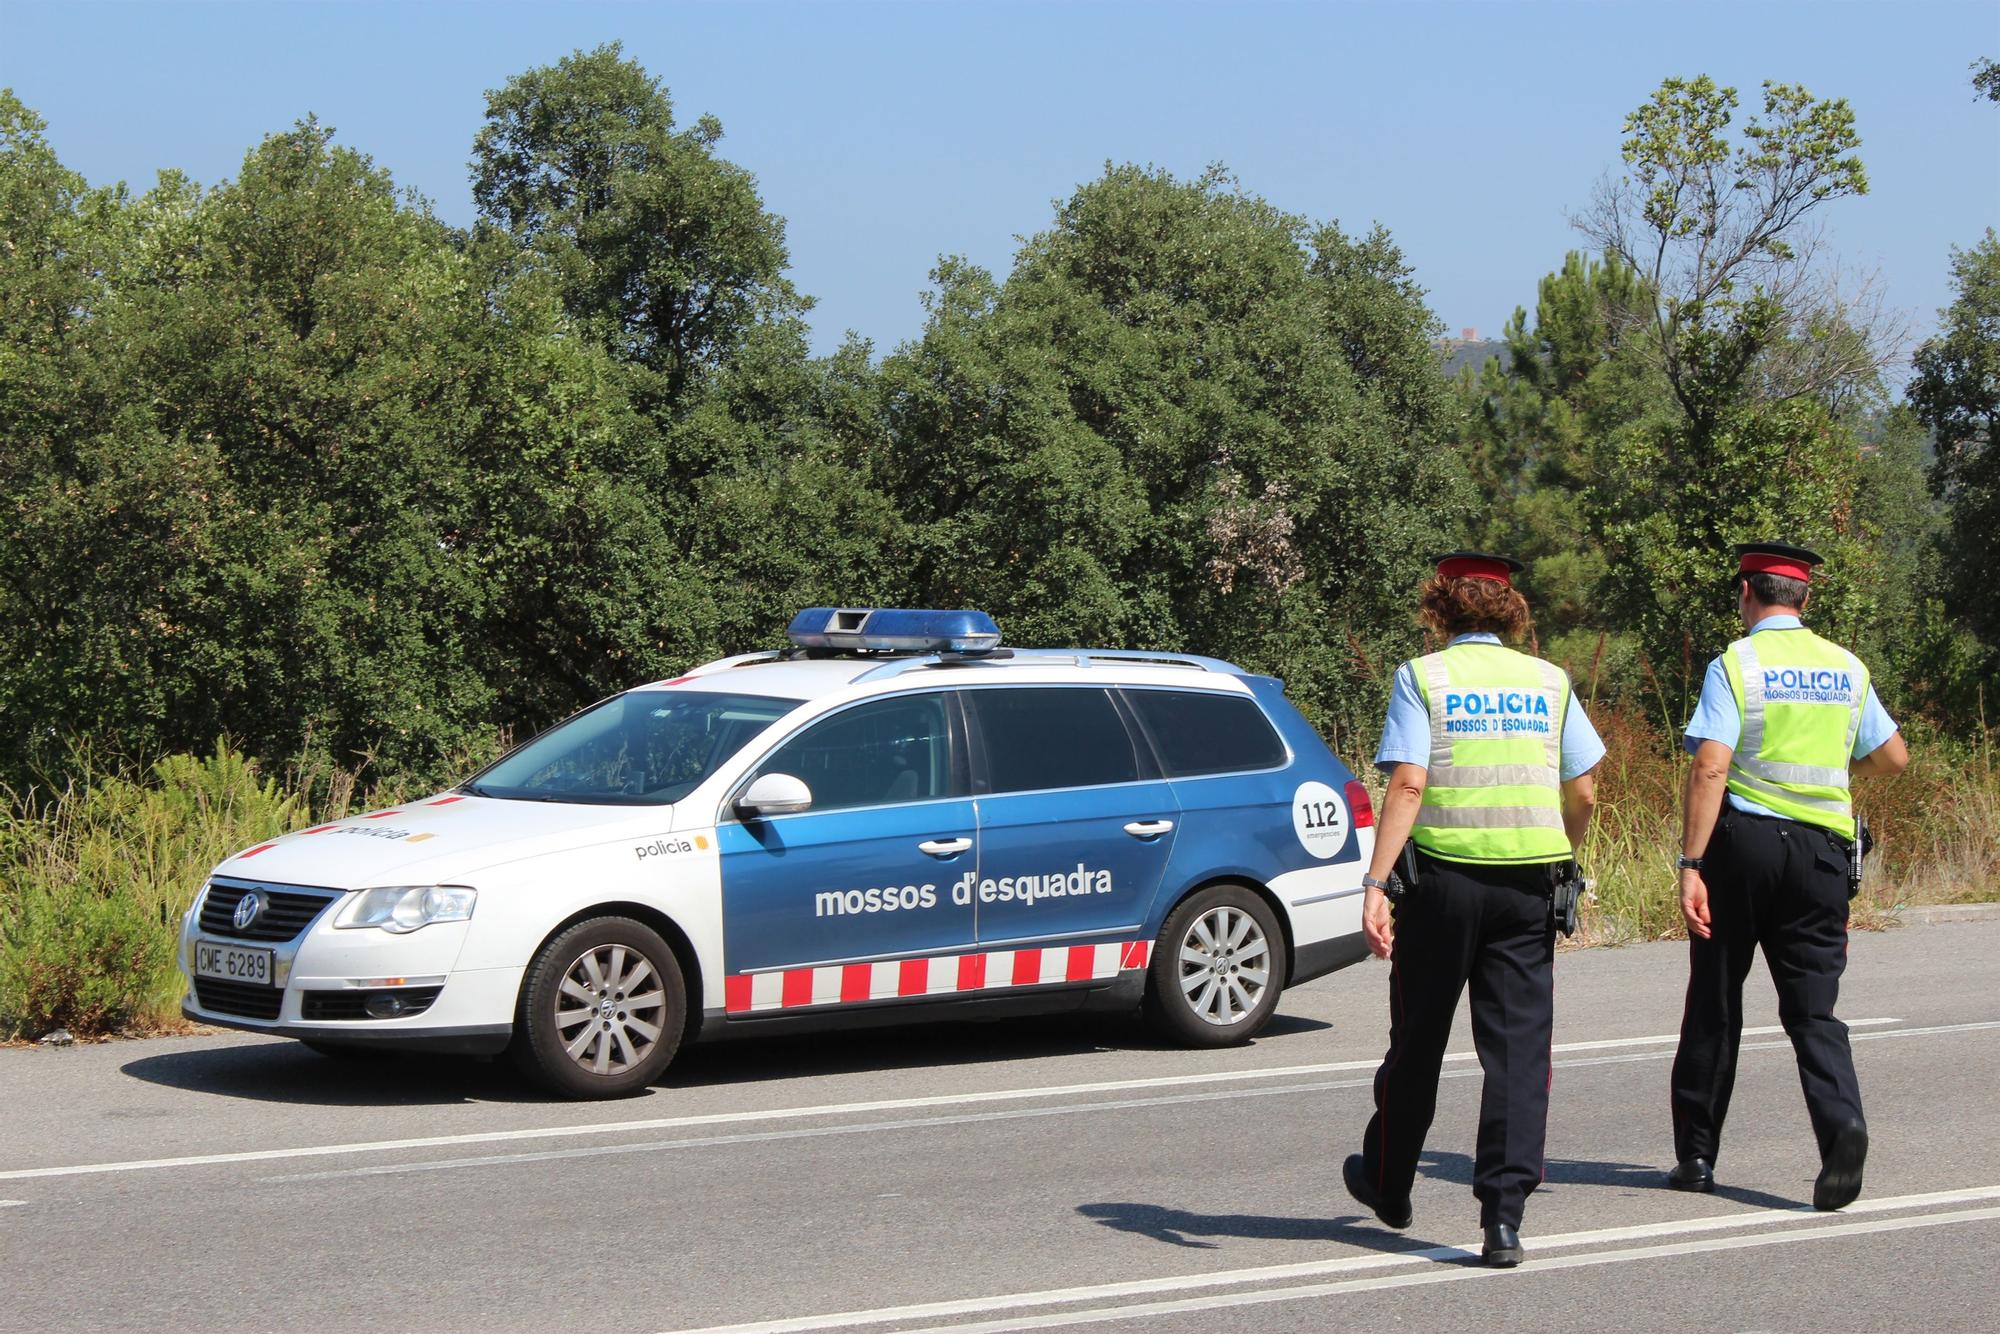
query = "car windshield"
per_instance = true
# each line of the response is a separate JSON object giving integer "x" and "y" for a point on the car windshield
{"x": 642, "y": 748}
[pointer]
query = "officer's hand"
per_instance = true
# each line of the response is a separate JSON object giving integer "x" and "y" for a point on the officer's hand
{"x": 1694, "y": 903}
{"x": 1378, "y": 928}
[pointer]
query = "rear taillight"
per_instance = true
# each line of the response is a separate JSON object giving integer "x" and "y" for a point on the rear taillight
{"x": 1358, "y": 803}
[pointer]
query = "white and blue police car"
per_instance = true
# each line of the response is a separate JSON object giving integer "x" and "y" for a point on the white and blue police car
{"x": 893, "y": 819}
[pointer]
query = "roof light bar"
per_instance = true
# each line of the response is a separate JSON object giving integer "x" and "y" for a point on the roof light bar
{"x": 894, "y": 630}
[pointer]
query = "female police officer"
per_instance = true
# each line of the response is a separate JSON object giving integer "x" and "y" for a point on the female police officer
{"x": 1489, "y": 761}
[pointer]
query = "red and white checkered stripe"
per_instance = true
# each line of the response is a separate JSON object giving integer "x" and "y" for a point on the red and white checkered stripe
{"x": 950, "y": 974}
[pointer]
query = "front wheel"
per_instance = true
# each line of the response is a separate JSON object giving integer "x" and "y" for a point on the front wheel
{"x": 1217, "y": 969}
{"x": 602, "y": 1010}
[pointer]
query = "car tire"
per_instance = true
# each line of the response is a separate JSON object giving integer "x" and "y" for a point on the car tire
{"x": 603, "y": 1008}
{"x": 1217, "y": 969}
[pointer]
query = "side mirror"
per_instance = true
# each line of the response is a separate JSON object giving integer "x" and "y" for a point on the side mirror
{"x": 775, "y": 794}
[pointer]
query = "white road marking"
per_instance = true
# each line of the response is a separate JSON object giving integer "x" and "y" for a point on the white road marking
{"x": 973, "y": 1118}
{"x": 1361, "y": 1263}
{"x": 11, "y": 1204}
{"x": 1461, "y": 1272}
{"x": 843, "y": 1109}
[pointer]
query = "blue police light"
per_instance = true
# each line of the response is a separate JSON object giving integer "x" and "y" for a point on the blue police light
{"x": 894, "y": 630}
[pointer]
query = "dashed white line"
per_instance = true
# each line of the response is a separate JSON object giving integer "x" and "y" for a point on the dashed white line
{"x": 1449, "y": 1255}
{"x": 1097, "y": 1106}
{"x": 851, "y": 1108}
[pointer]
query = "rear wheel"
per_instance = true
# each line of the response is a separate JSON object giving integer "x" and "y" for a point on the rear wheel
{"x": 602, "y": 1010}
{"x": 1217, "y": 968}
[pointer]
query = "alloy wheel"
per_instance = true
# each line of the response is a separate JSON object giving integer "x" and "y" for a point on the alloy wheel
{"x": 1225, "y": 965}
{"x": 610, "y": 1009}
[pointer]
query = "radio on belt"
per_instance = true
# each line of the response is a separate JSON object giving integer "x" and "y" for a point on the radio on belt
{"x": 894, "y": 630}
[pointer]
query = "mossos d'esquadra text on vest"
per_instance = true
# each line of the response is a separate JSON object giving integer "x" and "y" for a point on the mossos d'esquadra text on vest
{"x": 1809, "y": 685}
{"x": 1497, "y": 712}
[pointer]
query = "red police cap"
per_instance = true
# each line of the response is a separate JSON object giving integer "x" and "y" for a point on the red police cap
{"x": 1776, "y": 558}
{"x": 1478, "y": 565}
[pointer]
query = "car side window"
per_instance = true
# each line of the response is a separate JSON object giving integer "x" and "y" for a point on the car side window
{"x": 1034, "y": 738}
{"x": 1206, "y": 732}
{"x": 880, "y": 753}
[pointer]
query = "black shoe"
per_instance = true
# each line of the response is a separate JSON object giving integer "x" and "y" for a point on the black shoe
{"x": 1693, "y": 1174}
{"x": 1840, "y": 1171}
{"x": 1503, "y": 1246}
{"x": 1395, "y": 1213}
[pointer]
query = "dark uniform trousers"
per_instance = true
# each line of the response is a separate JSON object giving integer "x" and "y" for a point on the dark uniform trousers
{"x": 1782, "y": 885}
{"x": 1487, "y": 925}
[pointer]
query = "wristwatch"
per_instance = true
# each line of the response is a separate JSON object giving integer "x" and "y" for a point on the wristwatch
{"x": 1687, "y": 863}
{"x": 1372, "y": 883}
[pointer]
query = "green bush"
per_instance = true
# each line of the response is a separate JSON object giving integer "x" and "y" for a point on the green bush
{"x": 84, "y": 958}
{"x": 94, "y": 881}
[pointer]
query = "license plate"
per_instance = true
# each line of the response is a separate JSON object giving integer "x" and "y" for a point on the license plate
{"x": 232, "y": 963}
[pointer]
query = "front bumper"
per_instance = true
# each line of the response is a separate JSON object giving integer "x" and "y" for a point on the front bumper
{"x": 405, "y": 1035}
{"x": 473, "y": 1010}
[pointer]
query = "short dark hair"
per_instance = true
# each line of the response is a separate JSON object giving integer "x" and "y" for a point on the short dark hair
{"x": 1775, "y": 590}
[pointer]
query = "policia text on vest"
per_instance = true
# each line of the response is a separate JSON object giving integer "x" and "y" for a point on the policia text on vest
{"x": 1489, "y": 759}
{"x": 1769, "y": 859}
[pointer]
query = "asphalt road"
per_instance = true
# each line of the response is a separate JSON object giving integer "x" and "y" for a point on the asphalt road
{"x": 1037, "y": 1174}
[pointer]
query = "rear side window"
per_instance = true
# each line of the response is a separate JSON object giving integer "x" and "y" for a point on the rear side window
{"x": 1200, "y": 732}
{"x": 1051, "y": 737}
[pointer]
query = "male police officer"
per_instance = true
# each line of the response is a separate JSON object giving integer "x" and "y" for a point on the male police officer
{"x": 1489, "y": 761}
{"x": 1784, "y": 717}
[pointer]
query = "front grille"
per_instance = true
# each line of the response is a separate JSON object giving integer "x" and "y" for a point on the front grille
{"x": 326, "y": 1005}
{"x": 287, "y": 912}
{"x": 238, "y": 998}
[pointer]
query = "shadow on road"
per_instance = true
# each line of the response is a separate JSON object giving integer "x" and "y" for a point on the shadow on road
{"x": 1446, "y": 1166}
{"x": 290, "y": 1072}
{"x": 930, "y": 1045}
{"x": 1181, "y": 1227}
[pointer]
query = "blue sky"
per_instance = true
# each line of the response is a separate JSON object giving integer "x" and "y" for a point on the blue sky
{"x": 887, "y": 134}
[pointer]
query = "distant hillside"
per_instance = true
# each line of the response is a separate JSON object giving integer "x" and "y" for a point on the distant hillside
{"x": 1458, "y": 353}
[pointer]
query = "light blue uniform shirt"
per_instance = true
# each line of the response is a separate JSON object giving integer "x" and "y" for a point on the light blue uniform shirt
{"x": 1716, "y": 717}
{"x": 1406, "y": 734}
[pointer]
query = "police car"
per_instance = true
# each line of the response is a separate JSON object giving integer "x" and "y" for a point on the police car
{"x": 893, "y": 819}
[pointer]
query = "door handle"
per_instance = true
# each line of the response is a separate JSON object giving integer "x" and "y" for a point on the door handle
{"x": 1148, "y": 828}
{"x": 944, "y": 847}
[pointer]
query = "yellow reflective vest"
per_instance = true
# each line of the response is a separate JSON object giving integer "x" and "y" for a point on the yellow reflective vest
{"x": 1800, "y": 698}
{"x": 1493, "y": 792}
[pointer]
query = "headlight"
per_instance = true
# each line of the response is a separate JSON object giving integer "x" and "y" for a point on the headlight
{"x": 404, "y": 908}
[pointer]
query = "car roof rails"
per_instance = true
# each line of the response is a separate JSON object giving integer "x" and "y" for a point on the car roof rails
{"x": 1051, "y": 657}
{"x": 1084, "y": 657}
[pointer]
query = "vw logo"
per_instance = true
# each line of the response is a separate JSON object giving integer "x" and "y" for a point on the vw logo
{"x": 247, "y": 909}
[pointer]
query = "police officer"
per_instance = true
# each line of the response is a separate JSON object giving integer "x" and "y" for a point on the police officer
{"x": 1767, "y": 837}
{"x": 1489, "y": 760}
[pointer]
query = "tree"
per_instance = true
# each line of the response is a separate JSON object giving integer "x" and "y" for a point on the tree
{"x": 1539, "y": 428}
{"x": 1771, "y": 369}
{"x": 1186, "y": 420}
{"x": 1956, "y": 391}
{"x": 1986, "y": 80}
{"x": 661, "y": 248}
{"x": 1720, "y": 235}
